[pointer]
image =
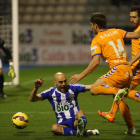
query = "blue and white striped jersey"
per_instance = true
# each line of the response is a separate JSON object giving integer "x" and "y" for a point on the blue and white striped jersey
{"x": 65, "y": 105}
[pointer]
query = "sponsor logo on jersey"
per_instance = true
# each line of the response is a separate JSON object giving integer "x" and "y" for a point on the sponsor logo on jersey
{"x": 64, "y": 107}
{"x": 93, "y": 49}
{"x": 71, "y": 96}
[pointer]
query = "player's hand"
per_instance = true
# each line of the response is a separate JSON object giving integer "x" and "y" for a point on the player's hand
{"x": 75, "y": 78}
{"x": 38, "y": 82}
{"x": 130, "y": 63}
{"x": 1, "y": 42}
{"x": 11, "y": 72}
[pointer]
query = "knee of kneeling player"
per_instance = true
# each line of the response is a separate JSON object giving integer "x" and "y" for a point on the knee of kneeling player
{"x": 54, "y": 128}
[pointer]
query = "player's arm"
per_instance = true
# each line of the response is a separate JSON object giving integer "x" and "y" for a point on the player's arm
{"x": 9, "y": 56}
{"x": 91, "y": 67}
{"x": 134, "y": 59}
{"x": 34, "y": 96}
{"x": 133, "y": 35}
{"x": 5, "y": 49}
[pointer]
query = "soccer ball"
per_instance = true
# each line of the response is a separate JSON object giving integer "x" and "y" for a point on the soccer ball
{"x": 20, "y": 120}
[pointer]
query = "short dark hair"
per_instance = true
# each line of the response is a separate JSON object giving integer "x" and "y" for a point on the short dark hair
{"x": 136, "y": 9}
{"x": 99, "y": 19}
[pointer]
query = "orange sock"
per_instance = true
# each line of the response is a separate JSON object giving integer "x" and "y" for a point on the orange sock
{"x": 124, "y": 109}
{"x": 135, "y": 95}
{"x": 105, "y": 89}
{"x": 114, "y": 109}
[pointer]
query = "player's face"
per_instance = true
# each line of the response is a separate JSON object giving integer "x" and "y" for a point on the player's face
{"x": 94, "y": 28}
{"x": 135, "y": 20}
{"x": 61, "y": 83}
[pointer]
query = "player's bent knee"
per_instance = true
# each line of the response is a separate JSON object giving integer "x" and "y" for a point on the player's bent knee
{"x": 57, "y": 129}
{"x": 92, "y": 91}
{"x": 80, "y": 113}
{"x": 54, "y": 128}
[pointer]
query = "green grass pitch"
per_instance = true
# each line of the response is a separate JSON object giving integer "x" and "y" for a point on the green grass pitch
{"x": 41, "y": 116}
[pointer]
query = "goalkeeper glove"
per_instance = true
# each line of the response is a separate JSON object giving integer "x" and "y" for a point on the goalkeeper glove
{"x": 11, "y": 72}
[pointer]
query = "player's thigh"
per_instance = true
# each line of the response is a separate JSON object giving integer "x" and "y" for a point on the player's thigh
{"x": 69, "y": 122}
{"x": 99, "y": 82}
{"x": 79, "y": 114}
{"x": 1, "y": 72}
{"x": 120, "y": 76}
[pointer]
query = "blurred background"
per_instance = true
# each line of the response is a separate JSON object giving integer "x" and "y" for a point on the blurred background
{"x": 58, "y": 32}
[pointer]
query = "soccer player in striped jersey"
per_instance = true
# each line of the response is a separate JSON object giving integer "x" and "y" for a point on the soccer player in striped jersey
{"x": 63, "y": 98}
{"x": 109, "y": 44}
{"x": 11, "y": 69}
{"x": 133, "y": 94}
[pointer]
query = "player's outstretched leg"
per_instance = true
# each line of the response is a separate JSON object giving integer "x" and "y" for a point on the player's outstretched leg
{"x": 92, "y": 132}
{"x": 106, "y": 115}
{"x": 80, "y": 127}
{"x": 120, "y": 94}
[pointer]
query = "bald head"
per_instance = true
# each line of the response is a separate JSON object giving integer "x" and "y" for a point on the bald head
{"x": 59, "y": 75}
{"x": 60, "y": 81}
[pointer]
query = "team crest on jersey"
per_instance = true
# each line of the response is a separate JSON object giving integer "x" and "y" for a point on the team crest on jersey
{"x": 93, "y": 49}
{"x": 71, "y": 96}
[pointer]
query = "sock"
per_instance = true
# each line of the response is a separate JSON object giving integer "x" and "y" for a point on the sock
{"x": 114, "y": 109}
{"x": 124, "y": 109}
{"x": 1, "y": 83}
{"x": 135, "y": 95}
{"x": 105, "y": 89}
{"x": 84, "y": 120}
{"x": 69, "y": 132}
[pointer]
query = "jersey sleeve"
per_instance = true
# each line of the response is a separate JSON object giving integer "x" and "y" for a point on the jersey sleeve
{"x": 46, "y": 94}
{"x": 122, "y": 32}
{"x": 77, "y": 88}
{"x": 95, "y": 48}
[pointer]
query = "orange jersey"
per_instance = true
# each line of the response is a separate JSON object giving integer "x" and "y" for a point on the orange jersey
{"x": 135, "y": 46}
{"x": 110, "y": 45}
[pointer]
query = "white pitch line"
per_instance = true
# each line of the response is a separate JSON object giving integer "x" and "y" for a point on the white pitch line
{"x": 53, "y": 113}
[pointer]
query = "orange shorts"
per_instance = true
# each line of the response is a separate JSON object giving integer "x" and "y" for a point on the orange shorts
{"x": 119, "y": 76}
{"x": 136, "y": 74}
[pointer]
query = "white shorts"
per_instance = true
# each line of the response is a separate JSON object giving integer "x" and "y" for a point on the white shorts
{"x": 0, "y": 63}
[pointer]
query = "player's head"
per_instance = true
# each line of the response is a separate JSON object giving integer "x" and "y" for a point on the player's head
{"x": 60, "y": 81}
{"x": 98, "y": 21}
{"x": 135, "y": 16}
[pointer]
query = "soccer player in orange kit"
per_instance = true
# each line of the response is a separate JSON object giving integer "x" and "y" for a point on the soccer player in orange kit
{"x": 135, "y": 21}
{"x": 109, "y": 44}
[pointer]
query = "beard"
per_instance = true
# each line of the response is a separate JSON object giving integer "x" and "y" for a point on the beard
{"x": 63, "y": 89}
{"x": 135, "y": 25}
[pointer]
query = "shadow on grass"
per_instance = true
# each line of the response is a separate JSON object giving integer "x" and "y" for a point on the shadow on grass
{"x": 25, "y": 133}
{"x": 5, "y": 101}
{"x": 17, "y": 91}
